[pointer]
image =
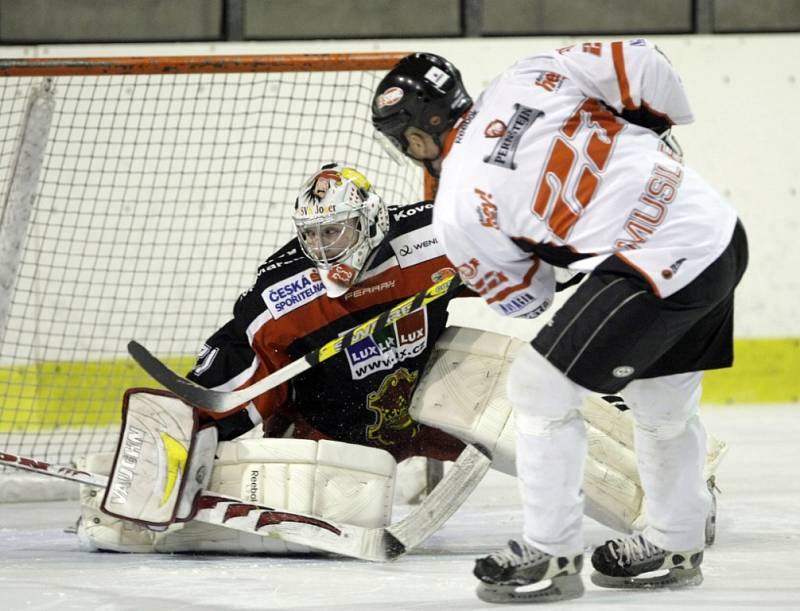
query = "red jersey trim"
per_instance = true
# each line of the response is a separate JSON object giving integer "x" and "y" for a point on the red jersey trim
{"x": 526, "y": 282}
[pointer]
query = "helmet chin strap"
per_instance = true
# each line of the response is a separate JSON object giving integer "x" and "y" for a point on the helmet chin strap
{"x": 428, "y": 163}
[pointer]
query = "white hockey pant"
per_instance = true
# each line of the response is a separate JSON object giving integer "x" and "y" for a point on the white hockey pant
{"x": 551, "y": 450}
{"x": 670, "y": 450}
{"x": 551, "y": 446}
{"x": 465, "y": 393}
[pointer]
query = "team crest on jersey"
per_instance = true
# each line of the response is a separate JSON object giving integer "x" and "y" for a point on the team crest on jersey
{"x": 495, "y": 129}
{"x": 487, "y": 211}
{"x": 405, "y": 339}
{"x": 390, "y": 403}
{"x": 488, "y": 281}
{"x": 506, "y": 148}
{"x": 469, "y": 270}
{"x": 549, "y": 81}
{"x": 293, "y": 292}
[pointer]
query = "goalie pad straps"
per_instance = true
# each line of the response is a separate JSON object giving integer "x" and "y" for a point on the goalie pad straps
{"x": 198, "y": 472}
{"x": 155, "y": 459}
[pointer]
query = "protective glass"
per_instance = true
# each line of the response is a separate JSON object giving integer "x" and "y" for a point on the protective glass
{"x": 332, "y": 238}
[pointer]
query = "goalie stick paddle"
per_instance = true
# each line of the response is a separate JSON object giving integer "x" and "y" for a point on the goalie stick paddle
{"x": 374, "y": 544}
{"x": 218, "y": 401}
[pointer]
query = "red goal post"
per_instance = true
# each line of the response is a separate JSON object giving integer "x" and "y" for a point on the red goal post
{"x": 199, "y": 64}
{"x": 139, "y": 196}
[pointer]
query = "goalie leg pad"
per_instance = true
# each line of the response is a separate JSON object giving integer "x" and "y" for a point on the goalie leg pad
{"x": 330, "y": 479}
{"x": 98, "y": 530}
{"x": 463, "y": 391}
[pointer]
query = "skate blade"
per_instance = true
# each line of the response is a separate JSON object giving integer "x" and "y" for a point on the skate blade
{"x": 673, "y": 579}
{"x": 560, "y": 588}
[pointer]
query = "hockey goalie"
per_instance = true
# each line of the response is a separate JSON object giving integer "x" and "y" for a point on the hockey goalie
{"x": 334, "y": 434}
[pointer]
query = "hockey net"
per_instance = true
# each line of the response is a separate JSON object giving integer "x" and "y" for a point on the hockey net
{"x": 139, "y": 197}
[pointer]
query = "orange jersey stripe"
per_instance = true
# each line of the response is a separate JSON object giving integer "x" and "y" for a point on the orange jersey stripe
{"x": 622, "y": 77}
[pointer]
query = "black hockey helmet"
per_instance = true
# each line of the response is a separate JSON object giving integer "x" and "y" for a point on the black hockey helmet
{"x": 424, "y": 91}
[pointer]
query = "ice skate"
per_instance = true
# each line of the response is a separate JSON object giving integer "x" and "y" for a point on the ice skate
{"x": 634, "y": 562}
{"x": 524, "y": 574}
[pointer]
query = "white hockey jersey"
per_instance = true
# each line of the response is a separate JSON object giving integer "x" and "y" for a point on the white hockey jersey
{"x": 541, "y": 173}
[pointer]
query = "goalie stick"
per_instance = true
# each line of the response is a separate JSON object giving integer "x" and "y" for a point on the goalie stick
{"x": 218, "y": 401}
{"x": 374, "y": 544}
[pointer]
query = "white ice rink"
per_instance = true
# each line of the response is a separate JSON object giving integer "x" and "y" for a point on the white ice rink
{"x": 755, "y": 563}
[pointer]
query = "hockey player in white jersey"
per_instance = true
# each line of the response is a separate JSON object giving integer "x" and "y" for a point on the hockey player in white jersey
{"x": 564, "y": 162}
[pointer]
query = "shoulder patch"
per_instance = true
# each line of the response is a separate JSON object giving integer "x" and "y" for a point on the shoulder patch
{"x": 400, "y": 213}
{"x": 293, "y": 292}
{"x": 416, "y": 246}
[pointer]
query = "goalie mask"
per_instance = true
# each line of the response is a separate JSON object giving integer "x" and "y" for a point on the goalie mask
{"x": 340, "y": 220}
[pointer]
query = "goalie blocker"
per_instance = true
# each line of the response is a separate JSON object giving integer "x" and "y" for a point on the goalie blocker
{"x": 462, "y": 393}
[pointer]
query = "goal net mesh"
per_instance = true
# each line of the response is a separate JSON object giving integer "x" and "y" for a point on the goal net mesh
{"x": 157, "y": 198}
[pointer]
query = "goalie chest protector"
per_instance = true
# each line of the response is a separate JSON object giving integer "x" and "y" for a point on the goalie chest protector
{"x": 362, "y": 394}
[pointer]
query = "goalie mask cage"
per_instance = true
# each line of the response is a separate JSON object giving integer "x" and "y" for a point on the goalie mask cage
{"x": 139, "y": 197}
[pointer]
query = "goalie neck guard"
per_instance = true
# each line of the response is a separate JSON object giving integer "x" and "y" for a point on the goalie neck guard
{"x": 340, "y": 220}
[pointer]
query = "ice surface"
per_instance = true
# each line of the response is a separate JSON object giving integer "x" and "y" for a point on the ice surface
{"x": 755, "y": 563}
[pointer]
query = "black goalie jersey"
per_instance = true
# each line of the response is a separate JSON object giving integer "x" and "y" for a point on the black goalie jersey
{"x": 362, "y": 394}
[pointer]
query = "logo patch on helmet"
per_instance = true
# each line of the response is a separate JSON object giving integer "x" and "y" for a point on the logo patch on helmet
{"x": 390, "y": 97}
{"x": 436, "y": 77}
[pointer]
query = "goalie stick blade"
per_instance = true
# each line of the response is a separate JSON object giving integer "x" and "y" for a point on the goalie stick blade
{"x": 185, "y": 389}
{"x": 60, "y": 471}
{"x": 448, "y": 495}
{"x": 211, "y": 400}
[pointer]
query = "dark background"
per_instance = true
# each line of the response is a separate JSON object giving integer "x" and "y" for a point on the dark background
{"x": 88, "y": 21}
